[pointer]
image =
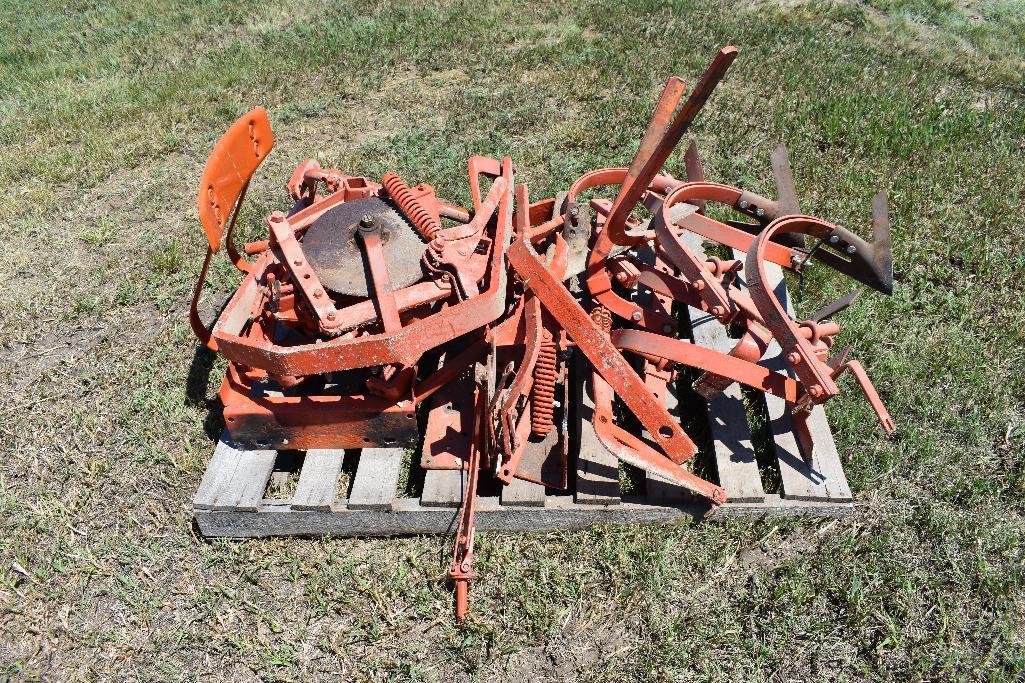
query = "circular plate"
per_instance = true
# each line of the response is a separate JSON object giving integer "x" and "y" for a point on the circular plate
{"x": 332, "y": 249}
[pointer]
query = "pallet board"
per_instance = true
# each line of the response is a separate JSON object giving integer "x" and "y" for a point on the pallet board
{"x": 820, "y": 477}
{"x": 231, "y": 500}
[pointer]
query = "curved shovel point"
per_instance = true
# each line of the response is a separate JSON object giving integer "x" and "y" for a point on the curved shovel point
{"x": 235, "y": 158}
{"x": 870, "y": 264}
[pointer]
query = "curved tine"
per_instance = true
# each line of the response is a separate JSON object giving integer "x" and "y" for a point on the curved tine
{"x": 784, "y": 176}
{"x": 649, "y": 160}
{"x": 646, "y": 162}
{"x": 702, "y": 91}
{"x": 787, "y": 204}
{"x": 695, "y": 170}
{"x": 882, "y": 247}
{"x": 829, "y": 310}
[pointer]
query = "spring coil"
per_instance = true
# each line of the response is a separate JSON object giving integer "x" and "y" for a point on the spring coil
{"x": 542, "y": 394}
{"x": 411, "y": 205}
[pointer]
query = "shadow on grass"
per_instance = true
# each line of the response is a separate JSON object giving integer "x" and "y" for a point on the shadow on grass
{"x": 196, "y": 391}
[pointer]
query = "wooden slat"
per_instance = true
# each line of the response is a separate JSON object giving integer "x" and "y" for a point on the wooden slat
{"x": 218, "y": 473}
{"x": 735, "y": 458}
{"x": 318, "y": 481}
{"x": 377, "y": 475}
{"x": 597, "y": 469}
{"x": 823, "y": 477}
{"x": 520, "y": 492}
{"x": 443, "y": 488}
{"x": 243, "y": 491}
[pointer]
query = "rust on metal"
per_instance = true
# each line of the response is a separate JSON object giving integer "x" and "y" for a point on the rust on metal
{"x": 367, "y": 305}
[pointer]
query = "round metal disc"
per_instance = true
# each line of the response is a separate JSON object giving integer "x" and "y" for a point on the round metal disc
{"x": 336, "y": 256}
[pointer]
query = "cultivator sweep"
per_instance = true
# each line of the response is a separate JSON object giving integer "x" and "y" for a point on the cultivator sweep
{"x": 377, "y": 314}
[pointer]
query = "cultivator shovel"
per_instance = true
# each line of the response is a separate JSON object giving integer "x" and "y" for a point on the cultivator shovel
{"x": 372, "y": 304}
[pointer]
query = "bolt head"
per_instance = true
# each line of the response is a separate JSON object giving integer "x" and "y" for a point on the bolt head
{"x": 318, "y": 293}
{"x": 815, "y": 390}
{"x": 851, "y": 249}
{"x": 833, "y": 239}
{"x": 759, "y": 212}
{"x": 794, "y": 357}
{"x": 635, "y": 316}
{"x": 718, "y": 311}
{"x": 743, "y": 204}
{"x": 331, "y": 315}
{"x": 667, "y": 329}
{"x": 574, "y": 210}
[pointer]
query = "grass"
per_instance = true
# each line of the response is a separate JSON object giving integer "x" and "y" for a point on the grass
{"x": 107, "y": 112}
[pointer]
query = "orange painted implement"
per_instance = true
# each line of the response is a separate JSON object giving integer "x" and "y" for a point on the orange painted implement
{"x": 378, "y": 315}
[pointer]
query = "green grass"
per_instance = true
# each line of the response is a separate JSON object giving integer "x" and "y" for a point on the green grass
{"x": 107, "y": 113}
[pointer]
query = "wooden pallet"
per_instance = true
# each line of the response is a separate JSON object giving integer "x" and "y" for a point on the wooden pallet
{"x": 231, "y": 499}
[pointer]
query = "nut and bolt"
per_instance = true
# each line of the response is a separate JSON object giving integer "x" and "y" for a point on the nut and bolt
{"x": 635, "y": 316}
{"x": 794, "y": 358}
{"x": 815, "y": 390}
{"x": 366, "y": 223}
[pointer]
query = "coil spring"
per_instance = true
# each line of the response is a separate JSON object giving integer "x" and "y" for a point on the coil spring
{"x": 411, "y": 205}
{"x": 542, "y": 404}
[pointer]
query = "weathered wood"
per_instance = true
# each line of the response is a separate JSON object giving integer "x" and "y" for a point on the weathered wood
{"x": 735, "y": 458}
{"x": 408, "y": 517}
{"x": 377, "y": 476}
{"x": 443, "y": 488}
{"x": 822, "y": 477}
{"x": 520, "y": 492}
{"x": 245, "y": 489}
{"x": 318, "y": 481}
{"x": 219, "y": 472}
{"x": 597, "y": 469}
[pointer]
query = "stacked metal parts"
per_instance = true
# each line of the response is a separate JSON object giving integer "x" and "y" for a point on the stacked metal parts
{"x": 379, "y": 315}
